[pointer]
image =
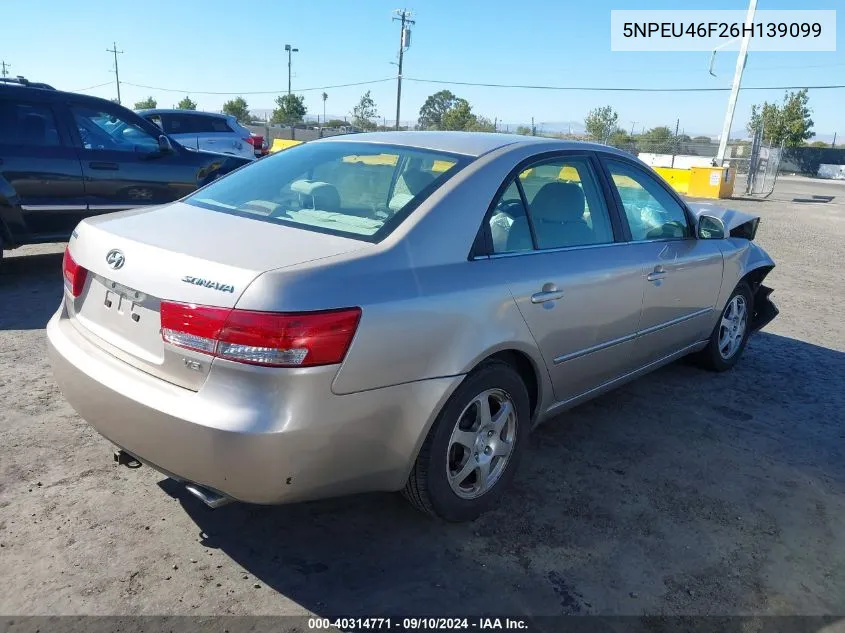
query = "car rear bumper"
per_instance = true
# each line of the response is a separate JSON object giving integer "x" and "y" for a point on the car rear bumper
{"x": 276, "y": 436}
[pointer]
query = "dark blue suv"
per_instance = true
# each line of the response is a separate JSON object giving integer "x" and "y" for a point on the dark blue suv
{"x": 66, "y": 156}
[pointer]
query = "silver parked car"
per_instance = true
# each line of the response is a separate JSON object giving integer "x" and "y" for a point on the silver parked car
{"x": 392, "y": 311}
{"x": 208, "y": 131}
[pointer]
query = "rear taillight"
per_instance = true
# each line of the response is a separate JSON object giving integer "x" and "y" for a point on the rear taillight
{"x": 257, "y": 141}
{"x": 74, "y": 274}
{"x": 271, "y": 339}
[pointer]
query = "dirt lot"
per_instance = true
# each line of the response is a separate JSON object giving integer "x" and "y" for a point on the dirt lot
{"x": 684, "y": 492}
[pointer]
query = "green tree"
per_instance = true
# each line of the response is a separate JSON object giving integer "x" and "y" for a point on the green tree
{"x": 458, "y": 117}
{"x": 702, "y": 140}
{"x": 435, "y": 106}
{"x": 364, "y": 113}
{"x": 290, "y": 111}
{"x": 187, "y": 104}
{"x": 619, "y": 138}
{"x": 818, "y": 144}
{"x": 335, "y": 123}
{"x": 238, "y": 108}
{"x": 481, "y": 124}
{"x": 146, "y": 104}
{"x": 524, "y": 130}
{"x": 601, "y": 122}
{"x": 658, "y": 140}
{"x": 789, "y": 123}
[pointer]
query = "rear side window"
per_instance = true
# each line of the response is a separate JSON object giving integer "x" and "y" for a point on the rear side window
{"x": 27, "y": 124}
{"x": 359, "y": 190}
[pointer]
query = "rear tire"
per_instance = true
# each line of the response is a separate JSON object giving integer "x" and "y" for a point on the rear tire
{"x": 472, "y": 451}
{"x": 729, "y": 337}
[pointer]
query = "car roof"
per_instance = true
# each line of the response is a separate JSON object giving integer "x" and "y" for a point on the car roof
{"x": 32, "y": 91}
{"x": 180, "y": 111}
{"x": 467, "y": 143}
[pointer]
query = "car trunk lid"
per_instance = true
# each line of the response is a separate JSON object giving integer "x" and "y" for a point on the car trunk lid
{"x": 182, "y": 253}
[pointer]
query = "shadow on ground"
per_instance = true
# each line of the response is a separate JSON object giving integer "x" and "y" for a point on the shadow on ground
{"x": 685, "y": 492}
{"x": 30, "y": 290}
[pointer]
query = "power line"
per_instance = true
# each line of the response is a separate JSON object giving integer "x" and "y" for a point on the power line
{"x": 652, "y": 71}
{"x": 108, "y": 83}
{"x": 259, "y": 92}
{"x": 468, "y": 83}
{"x": 116, "y": 52}
{"x": 615, "y": 89}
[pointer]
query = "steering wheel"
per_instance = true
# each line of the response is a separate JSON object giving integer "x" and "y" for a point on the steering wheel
{"x": 512, "y": 207}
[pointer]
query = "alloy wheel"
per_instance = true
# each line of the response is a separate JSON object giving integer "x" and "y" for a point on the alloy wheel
{"x": 732, "y": 327}
{"x": 481, "y": 443}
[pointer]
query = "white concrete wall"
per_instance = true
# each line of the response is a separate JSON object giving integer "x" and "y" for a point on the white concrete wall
{"x": 681, "y": 161}
{"x": 836, "y": 172}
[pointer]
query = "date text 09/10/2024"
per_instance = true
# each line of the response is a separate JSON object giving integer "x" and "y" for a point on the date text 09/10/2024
{"x": 417, "y": 624}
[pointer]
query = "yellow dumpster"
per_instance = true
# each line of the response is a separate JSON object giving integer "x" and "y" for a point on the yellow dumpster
{"x": 282, "y": 143}
{"x": 678, "y": 179}
{"x": 711, "y": 182}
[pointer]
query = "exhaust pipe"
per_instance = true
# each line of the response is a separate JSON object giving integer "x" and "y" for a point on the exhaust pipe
{"x": 209, "y": 497}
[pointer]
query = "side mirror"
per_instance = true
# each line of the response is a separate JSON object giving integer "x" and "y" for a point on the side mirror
{"x": 710, "y": 228}
{"x": 164, "y": 145}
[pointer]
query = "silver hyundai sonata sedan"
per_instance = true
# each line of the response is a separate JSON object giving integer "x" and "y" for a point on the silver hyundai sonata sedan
{"x": 391, "y": 311}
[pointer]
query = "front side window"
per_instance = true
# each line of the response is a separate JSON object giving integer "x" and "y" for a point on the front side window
{"x": 175, "y": 123}
{"x": 106, "y": 131}
{"x": 359, "y": 190}
{"x": 562, "y": 207}
{"x": 208, "y": 124}
{"x": 652, "y": 212}
{"x": 27, "y": 124}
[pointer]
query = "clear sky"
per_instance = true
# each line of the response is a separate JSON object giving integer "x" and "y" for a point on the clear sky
{"x": 193, "y": 46}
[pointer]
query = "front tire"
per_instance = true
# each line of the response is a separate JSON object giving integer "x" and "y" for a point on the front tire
{"x": 729, "y": 337}
{"x": 473, "y": 448}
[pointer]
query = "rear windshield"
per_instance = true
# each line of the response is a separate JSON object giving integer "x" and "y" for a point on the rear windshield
{"x": 358, "y": 190}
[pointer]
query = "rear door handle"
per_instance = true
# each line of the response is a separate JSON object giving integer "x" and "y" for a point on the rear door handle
{"x": 658, "y": 273}
{"x": 103, "y": 166}
{"x": 550, "y": 292}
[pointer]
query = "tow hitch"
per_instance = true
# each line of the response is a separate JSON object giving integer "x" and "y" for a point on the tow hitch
{"x": 126, "y": 459}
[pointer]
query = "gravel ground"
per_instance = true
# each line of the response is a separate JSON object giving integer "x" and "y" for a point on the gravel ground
{"x": 684, "y": 492}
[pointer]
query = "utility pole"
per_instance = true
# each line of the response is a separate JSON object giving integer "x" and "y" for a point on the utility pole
{"x": 740, "y": 67}
{"x": 404, "y": 17}
{"x": 832, "y": 145}
{"x": 633, "y": 123}
{"x": 116, "y": 52}
{"x": 5, "y": 66}
{"x": 533, "y": 129}
{"x": 325, "y": 96}
{"x": 290, "y": 51}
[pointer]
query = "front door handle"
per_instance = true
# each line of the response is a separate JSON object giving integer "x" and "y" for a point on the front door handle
{"x": 103, "y": 166}
{"x": 550, "y": 292}
{"x": 657, "y": 274}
